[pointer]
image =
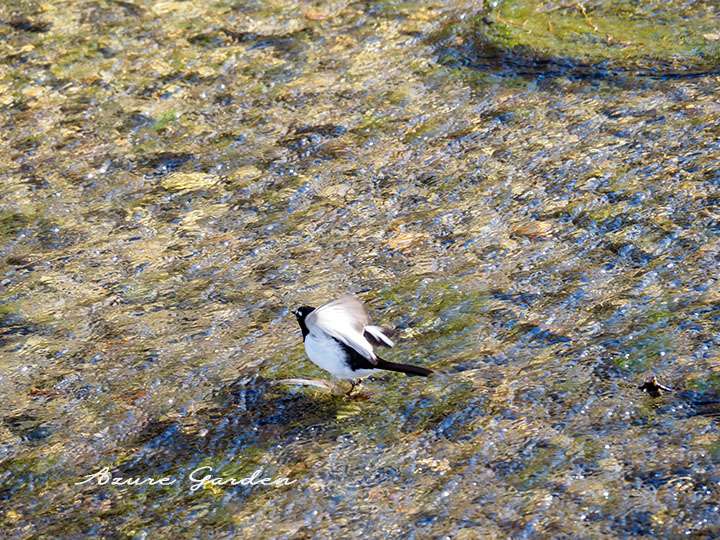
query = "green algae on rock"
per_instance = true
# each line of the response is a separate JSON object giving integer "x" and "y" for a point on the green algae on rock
{"x": 652, "y": 38}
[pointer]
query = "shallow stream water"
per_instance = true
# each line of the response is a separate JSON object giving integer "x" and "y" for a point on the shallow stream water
{"x": 534, "y": 205}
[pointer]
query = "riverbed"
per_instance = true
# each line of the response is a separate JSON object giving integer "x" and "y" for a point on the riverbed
{"x": 527, "y": 191}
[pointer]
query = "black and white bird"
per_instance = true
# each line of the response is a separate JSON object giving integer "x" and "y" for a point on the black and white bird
{"x": 339, "y": 338}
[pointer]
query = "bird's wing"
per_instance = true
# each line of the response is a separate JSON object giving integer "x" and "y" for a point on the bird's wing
{"x": 378, "y": 336}
{"x": 344, "y": 319}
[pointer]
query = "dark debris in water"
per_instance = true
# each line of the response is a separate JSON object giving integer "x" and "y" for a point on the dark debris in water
{"x": 28, "y": 427}
{"x": 290, "y": 42}
{"x": 27, "y": 25}
{"x": 654, "y": 388}
{"x": 164, "y": 162}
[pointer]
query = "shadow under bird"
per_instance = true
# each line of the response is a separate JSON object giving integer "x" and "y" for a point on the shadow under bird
{"x": 339, "y": 338}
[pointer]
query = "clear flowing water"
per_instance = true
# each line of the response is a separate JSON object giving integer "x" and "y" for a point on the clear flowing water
{"x": 542, "y": 229}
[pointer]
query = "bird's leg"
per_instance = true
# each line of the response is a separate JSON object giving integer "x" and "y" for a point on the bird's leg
{"x": 353, "y": 384}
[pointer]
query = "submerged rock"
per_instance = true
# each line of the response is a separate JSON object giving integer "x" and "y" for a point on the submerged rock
{"x": 598, "y": 39}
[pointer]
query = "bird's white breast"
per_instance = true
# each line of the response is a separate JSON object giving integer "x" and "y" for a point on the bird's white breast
{"x": 326, "y": 353}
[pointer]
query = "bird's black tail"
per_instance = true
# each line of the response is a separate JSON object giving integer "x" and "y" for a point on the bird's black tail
{"x": 407, "y": 369}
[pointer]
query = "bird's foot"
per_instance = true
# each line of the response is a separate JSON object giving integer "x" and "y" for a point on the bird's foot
{"x": 353, "y": 384}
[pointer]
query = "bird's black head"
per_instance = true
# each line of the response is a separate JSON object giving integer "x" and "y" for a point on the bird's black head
{"x": 300, "y": 314}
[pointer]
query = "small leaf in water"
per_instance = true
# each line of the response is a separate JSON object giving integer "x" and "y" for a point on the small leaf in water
{"x": 314, "y": 15}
